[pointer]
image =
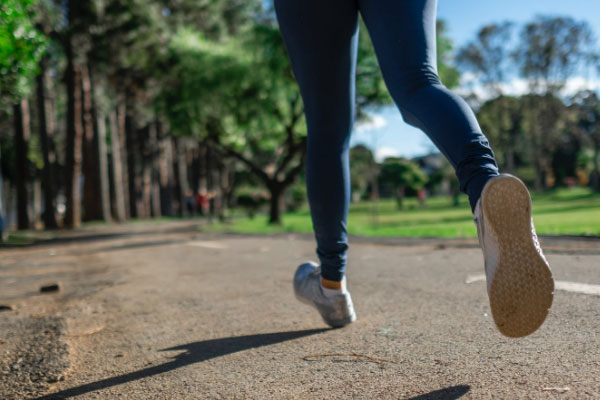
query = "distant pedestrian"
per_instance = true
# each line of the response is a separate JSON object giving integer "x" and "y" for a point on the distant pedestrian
{"x": 190, "y": 202}
{"x": 422, "y": 197}
{"x": 322, "y": 39}
{"x": 203, "y": 202}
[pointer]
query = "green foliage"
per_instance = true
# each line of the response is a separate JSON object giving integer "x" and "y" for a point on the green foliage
{"x": 402, "y": 174}
{"x": 552, "y": 49}
{"x": 21, "y": 47}
{"x": 296, "y": 197}
{"x": 363, "y": 170}
{"x": 370, "y": 87}
{"x": 502, "y": 120}
{"x": 251, "y": 199}
{"x": 202, "y": 83}
{"x": 561, "y": 212}
{"x": 488, "y": 56}
{"x": 449, "y": 75}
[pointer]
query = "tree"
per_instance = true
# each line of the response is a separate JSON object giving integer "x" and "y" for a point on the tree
{"x": 363, "y": 170}
{"x": 501, "y": 118}
{"x": 449, "y": 75}
{"x": 544, "y": 119}
{"x": 401, "y": 175}
{"x": 586, "y": 105}
{"x": 488, "y": 56}
{"x": 21, "y": 47}
{"x": 551, "y": 50}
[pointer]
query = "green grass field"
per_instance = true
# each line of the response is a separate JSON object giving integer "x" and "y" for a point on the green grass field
{"x": 562, "y": 212}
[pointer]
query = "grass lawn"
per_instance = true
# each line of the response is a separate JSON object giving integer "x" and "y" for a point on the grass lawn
{"x": 561, "y": 212}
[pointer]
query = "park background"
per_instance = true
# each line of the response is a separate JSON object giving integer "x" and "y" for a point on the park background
{"x": 131, "y": 110}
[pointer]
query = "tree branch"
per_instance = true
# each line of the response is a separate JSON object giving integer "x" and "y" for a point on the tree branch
{"x": 294, "y": 172}
{"x": 239, "y": 156}
{"x": 294, "y": 149}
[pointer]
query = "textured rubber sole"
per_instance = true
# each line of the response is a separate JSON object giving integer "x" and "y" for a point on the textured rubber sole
{"x": 522, "y": 287}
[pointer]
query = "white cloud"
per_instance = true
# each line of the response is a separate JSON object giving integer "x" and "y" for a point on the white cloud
{"x": 519, "y": 86}
{"x": 384, "y": 152}
{"x": 373, "y": 123}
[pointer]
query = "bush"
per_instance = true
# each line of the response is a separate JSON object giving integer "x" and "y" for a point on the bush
{"x": 296, "y": 197}
{"x": 251, "y": 200}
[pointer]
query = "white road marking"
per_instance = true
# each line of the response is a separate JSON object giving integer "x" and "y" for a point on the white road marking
{"x": 578, "y": 287}
{"x": 208, "y": 245}
{"x": 575, "y": 287}
{"x": 475, "y": 278}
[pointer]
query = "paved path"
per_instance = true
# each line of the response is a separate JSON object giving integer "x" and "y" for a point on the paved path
{"x": 168, "y": 313}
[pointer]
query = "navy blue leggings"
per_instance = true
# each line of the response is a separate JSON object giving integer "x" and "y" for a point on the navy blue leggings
{"x": 321, "y": 37}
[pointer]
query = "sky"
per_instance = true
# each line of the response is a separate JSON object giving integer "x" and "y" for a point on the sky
{"x": 388, "y": 135}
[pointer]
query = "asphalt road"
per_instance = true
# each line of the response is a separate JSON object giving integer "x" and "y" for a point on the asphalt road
{"x": 165, "y": 312}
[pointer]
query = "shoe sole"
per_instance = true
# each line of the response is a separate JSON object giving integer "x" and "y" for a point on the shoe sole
{"x": 522, "y": 287}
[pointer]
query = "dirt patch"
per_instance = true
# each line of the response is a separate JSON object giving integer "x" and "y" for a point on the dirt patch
{"x": 34, "y": 355}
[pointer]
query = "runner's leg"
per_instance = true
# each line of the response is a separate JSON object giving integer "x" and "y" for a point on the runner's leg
{"x": 404, "y": 37}
{"x": 321, "y": 38}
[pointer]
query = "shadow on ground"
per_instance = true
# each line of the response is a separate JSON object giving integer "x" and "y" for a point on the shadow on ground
{"x": 192, "y": 353}
{"x": 449, "y": 393}
{"x": 79, "y": 237}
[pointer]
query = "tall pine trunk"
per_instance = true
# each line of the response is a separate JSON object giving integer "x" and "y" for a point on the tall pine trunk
{"x": 180, "y": 164}
{"x": 595, "y": 181}
{"x": 146, "y": 178}
{"x": 121, "y": 116}
{"x": 73, "y": 141}
{"x": 47, "y": 128}
{"x": 103, "y": 167}
{"x": 133, "y": 180}
{"x": 119, "y": 182}
{"x": 2, "y": 206}
{"x": 92, "y": 200}
{"x": 22, "y": 134}
{"x": 155, "y": 165}
{"x": 166, "y": 174}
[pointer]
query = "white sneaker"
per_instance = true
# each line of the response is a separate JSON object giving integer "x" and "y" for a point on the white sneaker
{"x": 336, "y": 310}
{"x": 519, "y": 280}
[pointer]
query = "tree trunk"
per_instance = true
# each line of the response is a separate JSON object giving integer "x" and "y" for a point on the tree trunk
{"x": 155, "y": 166}
{"x": 73, "y": 141}
{"x": 510, "y": 159}
{"x": 121, "y": 132}
{"x": 595, "y": 181}
{"x": 179, "y": 149}
{"x": 92, "y": 199}
{"x": 117, "y": 169}
{"x": 36, "y": 204}
{"x": 539, "y": 179}
{"x": 22, "y": 134}
{"x": 133, "y": 179}
{"x": 203, "y": 170}
{"x": 166, "y": 175}
{"x": 276, "y": 203}
{"x": 47, "y": 130}
{"x": 227, "y": 183}
{"x": 144, "y": 181}
{"x": 400, "y": 197}
{"x": 3, "y": 207}
{"x": 103, "y": 166}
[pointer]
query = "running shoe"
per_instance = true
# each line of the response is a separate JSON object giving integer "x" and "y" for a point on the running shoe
{"x": 519, "y": 281}
{"x": 336, "y": 310}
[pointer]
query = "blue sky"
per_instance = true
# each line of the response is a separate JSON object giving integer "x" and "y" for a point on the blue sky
{"x": 389, "y": 135}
